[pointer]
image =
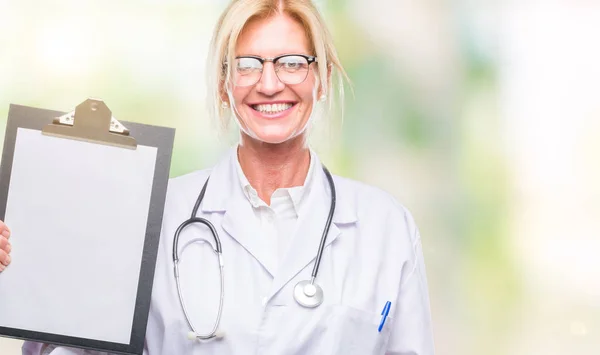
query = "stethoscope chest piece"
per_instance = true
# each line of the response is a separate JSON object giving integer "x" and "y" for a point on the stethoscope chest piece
{"x": 308, "y": 294}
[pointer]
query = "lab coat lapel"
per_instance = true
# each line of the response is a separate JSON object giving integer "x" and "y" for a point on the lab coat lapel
{"x": 224, "y": 194}
{"x": 241, "y": 224}
{"x": 304, "y": 244}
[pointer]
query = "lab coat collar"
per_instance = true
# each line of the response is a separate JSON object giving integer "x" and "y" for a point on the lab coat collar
{"x": 224, "y": 193}
{"x": 295, "y": 194}
{"x": 224, "y": 185}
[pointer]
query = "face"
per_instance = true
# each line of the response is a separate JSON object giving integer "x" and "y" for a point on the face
{"x": 270, "y": 110}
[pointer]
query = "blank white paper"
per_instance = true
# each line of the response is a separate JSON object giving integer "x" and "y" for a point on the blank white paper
{"x": 77, "y": 213}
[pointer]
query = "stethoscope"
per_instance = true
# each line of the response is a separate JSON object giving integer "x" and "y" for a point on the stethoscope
{"x": 307, "y": 293}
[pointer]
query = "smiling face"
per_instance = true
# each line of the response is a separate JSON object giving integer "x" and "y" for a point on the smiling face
{"x": 271, "y": 111}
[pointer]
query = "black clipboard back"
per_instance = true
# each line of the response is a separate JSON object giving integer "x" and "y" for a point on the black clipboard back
{"x": 94, "y": 115}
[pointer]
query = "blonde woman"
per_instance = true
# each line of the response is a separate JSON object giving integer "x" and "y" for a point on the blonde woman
{"x": 313, "y": 264}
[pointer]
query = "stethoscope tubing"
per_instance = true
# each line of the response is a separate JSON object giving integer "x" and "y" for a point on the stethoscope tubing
{"x": 315, "y": 271}
{"x": 217, "y": 249}
{"x": 194, "y": 219}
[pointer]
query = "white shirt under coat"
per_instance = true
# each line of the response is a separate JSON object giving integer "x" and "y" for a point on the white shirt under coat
{"x": 372, "y": 255}
{"x": 278, "y": 221}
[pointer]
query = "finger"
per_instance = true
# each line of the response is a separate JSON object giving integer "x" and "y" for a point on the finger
{"x": 3, "y": 242}
{"x": 8, "y": 248}
{"x": 2, "y": 267}
{"x": 5, "y": 232}
{"x": 4, "y": 258}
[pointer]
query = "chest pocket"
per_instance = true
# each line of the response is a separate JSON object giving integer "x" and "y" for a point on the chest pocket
{"x": 353, "y": 331}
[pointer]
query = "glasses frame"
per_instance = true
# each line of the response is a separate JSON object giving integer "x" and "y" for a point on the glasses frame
{"x": 309, "y": 58}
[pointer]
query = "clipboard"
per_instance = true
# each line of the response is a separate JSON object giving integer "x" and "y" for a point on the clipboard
{"x": 83, "y": 195}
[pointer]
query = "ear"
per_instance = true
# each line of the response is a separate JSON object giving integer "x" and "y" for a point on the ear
{"x": 223, "y": 92}
{"x": 223, "y": 85}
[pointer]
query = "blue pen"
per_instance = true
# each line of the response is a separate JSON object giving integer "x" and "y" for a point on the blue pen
{"x": 384, "y": 314}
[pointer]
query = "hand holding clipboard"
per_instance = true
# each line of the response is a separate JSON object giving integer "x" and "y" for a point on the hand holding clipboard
{"x": 5, "y": 246}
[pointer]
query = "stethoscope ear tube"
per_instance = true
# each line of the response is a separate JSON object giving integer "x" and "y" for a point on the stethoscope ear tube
{"x": 194, "y": 219}
{"x": 207, "y": 223}
{"x": 215, "y": 332}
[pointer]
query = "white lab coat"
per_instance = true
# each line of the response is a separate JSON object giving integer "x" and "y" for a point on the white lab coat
{"x": 372, "y": 255}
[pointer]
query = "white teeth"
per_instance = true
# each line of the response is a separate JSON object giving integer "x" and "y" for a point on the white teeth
{"x": 271, "y": 108}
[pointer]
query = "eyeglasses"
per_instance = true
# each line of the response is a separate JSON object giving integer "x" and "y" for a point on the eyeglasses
{"x": 291, "y": 69}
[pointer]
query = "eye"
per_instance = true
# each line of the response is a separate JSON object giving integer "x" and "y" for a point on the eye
{"x": 292, "y": 63}
{"x": 247, "y": 65}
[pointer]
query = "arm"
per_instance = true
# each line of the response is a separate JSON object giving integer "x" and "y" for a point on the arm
{"x": 31, "y": 348}
{"x": 412, "y": 331}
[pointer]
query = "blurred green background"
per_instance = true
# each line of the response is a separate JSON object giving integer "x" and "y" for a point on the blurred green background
{"x": 482, "y": 117}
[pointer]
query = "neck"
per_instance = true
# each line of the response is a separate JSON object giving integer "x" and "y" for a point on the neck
{"x": 271, "y": 166}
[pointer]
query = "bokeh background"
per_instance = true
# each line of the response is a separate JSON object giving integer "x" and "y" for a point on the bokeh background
{"x": 482, "y": 117}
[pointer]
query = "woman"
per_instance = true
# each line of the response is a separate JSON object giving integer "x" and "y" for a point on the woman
{"x": 272, "y": 63}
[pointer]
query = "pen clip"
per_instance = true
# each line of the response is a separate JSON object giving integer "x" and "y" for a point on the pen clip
{"x": 384, "y": 314}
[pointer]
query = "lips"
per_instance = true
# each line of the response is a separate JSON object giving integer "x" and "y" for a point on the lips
{"x": 272, "y": 109}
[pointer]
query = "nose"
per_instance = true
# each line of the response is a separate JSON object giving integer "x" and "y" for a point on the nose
{"x": 269, "y": 84}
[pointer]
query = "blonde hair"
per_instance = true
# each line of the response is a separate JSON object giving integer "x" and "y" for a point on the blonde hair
{"x": 231, "y": 24}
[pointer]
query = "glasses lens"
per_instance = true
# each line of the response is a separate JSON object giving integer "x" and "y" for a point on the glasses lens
{"x": 248, "y": 71}
{"x": 292, "y": 69}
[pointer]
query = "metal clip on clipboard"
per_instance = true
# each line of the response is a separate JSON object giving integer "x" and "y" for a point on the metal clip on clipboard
{"x": 91, "y": 121}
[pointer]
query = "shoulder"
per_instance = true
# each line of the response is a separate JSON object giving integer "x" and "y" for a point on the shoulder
{"x": 366, "y": 196}
{"x": 183, "y": 190}
{"x": 383, "y": 229}
{"x": 375, "y": 206}
{"x": 189, "y": 180}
